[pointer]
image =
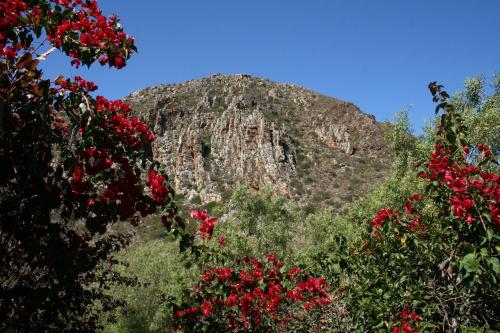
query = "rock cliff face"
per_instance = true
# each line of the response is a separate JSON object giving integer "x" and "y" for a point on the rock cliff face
{"x": 224, "y": 129}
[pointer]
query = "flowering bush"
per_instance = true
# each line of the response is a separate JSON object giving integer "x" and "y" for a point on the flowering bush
{"x": 255, "y": 296}
{"x": 438, "y": 253}
{"x": 71, "y": 165}
{"x": 242, "y": 293}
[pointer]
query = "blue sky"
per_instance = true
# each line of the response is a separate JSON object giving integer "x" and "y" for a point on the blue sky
{"x": 379, "y": 55}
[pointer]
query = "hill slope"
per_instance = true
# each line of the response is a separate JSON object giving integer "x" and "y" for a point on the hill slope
{"x": 220, "y": 130}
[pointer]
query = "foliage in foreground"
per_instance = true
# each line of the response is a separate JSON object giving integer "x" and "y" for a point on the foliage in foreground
{"x": 71, "y": 166}
{"x": 436, "y": 254}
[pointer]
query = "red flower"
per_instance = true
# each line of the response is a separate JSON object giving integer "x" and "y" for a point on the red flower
{"x": 416, "y": 197}
{"x": 381, "y": 216}
{"x": 207, "y": 276}
{"x": 206, "y": 308}
{"x": 198, "y": 214}
{"x": 223, "y": 273}
{"x": 119, "y": 62}
{"x": 192, "y": 310}
{"x": 207, "y": 225}
{"x": 255, "y": 295}
{"x": 405, "y": 313}
{"x": 77, "y": 175}
{"x": 484, "y": 149}
{"x": 158, "y": 189}
{"x": 231, "y": 300}
{"x": 102, "y": 60}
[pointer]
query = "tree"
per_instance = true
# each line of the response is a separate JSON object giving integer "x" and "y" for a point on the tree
{"x": 71, "y": 166}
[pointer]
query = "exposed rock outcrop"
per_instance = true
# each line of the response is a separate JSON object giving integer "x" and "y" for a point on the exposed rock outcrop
{"x": 215, "y": 132}
{"x": 335, "y": 136}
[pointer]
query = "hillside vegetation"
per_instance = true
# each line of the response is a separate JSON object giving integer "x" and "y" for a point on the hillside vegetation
{"x": 428, "y": 270}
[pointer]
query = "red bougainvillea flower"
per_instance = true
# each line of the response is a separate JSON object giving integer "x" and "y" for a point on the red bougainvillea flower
{"x": 468, "y": 184}
{"x": 206, "y": 308}
{"x": 381, "y": 216}
{"x": 159, "y": 190}
{"x": 207, "y": 225}
{"x": 198, "y": 214}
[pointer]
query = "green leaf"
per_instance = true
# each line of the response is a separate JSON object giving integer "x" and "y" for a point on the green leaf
{"x": 488, "y": 217}
{"x": 495, "y": 265}
{"x": 470, "y": 263}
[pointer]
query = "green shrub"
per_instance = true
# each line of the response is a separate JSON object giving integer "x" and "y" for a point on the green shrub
{"x": 259, "y": 223}
{"x": 196, "y": 200}
{"x": 162, "y": 273}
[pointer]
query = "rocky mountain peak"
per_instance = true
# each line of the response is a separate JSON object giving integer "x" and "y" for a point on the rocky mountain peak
{"x": 223, "y": 129}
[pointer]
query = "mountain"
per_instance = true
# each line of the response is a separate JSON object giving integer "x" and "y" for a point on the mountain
{"x": 218, "y": 131}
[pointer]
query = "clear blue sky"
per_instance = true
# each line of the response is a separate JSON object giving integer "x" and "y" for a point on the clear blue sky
{"x": 379, "y": 55}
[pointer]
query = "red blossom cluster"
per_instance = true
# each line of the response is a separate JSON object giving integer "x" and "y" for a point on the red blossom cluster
{"x": 159, "y": 190}
{"x": 10, "y": 13}
{"x": 132, "y": 131}
{"x": 102, "y": 173}
{"x": 381, "y": 217}
{"x": 73, "y": 86}
{"x": 469, "y": 186}
{"x": 93, "y": 30}
{"x": 97, "y": 160}
{"x": 78, "y": 185}
{"x": 405, "y": 221}
{"x": 75, "y": 26}
{"x": 255, "y": 295}
{"x": 108, "y": 166}
{"x": 413, "y": 223}
{"x": 468, "y": 189}
{"x": 311, "y": 285}
{"x": 207, "y": 225}
{"x": 407, "y": 317}
{"x": 121, "y": 191}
